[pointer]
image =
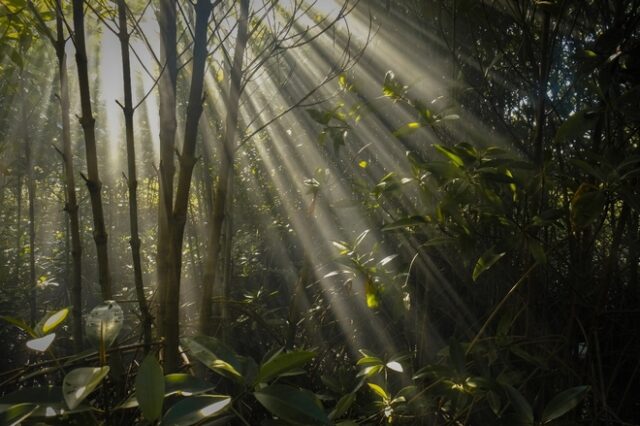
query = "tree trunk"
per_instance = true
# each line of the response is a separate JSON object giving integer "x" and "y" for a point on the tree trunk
{"x": 132, "y": 179}
{"x": 71, "y": 206}
{"x": 93, "y": 178}
{"x": 226, "y": 168}
{"x": 171, "y": 319}
{"x": 167, "y": 101}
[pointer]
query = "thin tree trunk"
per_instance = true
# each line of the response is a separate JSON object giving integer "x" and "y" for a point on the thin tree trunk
{"x": 71, "y": 206}
{"x": 226, "y": 167}
{"x": 93, "y": 178}
{"x": 132, "y": 179}
{"x": 167, "y": 105}
{"x": 171, "y": 320}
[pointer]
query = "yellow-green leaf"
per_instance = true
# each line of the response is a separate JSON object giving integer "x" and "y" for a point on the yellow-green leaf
{"x": 54, "y": 320}
{"x": 378, "y": 390}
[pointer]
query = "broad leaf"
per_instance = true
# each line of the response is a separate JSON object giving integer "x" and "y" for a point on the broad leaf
{"x": 486, "y": 261}
{"x": 343, "y": 405}
{"x": 195, "y": 409}
{"x": 521, "y": 407}
{"x": 215, "y": 355}
{"x": 298, "y": 406}
{"x": 48, "y": 399}
{"x": 453, "y": 157}
{"x": 379, "y": 391}
{"x": 282, "y": 363}
{"x": 150, "y": 389}
{"x": 79, "y": 383}
{"x": 395, "y": 366}
{"x": 406, "y": 223}
{"x": 17, "y": 413}
{"x": 51, "y": 321}
{"x": 20, "y": 324}
{"x": 41, "y": 344}
{"x": 104, "y": 322}
{"x": 407, "y": 129}
{"x": 564, "y": 402}
{"x": 176, "y": 384}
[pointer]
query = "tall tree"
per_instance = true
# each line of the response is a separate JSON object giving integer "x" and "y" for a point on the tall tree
{"x": 167, "y": 106}
{"x": 222, "y": 188}
{"x": 178, "y": 214}
{"x": 93, "y": 177}
{"x": 132, "y": 180}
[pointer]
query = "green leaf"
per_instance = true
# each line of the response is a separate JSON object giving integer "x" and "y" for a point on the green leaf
{"x": 282, "y": 363}
{"x": 371, "y": 370}
{"x": 17, "y": 413}
{"x": 486, "y": 261}
{"x": 150, "y": 389}
{"x": 369, "y": 360}
{"x": 52, "y": 320}
{"x": 79, "y": 383}
{"x": 185, "y": 385}
{"x": 453, "y": 157}
{"x": 564, "y": 402}
{"x": 520, "y": 405}
{"x": 392, "y": 88}
{"x": 406, "y": 223}
{"x": 407, "y": 129}
{"x": 193, "y": 410}
{"x": 379, "y": 391}
{"x": 298, "y": 406}
{"x": 20, "y": 324}
{"x": 215, "y": 355}
{"x": 176, "y": 384}
{"x": 41, "y": 344}
{"x": 343, "y": 405}
{"x": 371, "y": 292}
{"x": 48, "y": 399}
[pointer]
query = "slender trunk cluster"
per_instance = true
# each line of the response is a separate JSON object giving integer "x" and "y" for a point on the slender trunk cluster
{"x": 175, "y": 210}
{"x": 93, "y": 178}
{"x": 132, "y": 179}
{"x": 226, "y": 168}
{"x": 71, "y": 206}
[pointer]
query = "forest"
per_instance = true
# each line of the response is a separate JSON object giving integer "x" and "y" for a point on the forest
{"x": 319, "y": 212}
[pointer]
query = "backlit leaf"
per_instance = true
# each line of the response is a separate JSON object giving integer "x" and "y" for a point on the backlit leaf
{"x": 79, "y": 383}
{"x": 395, "y": 366}
{"x": 193, "y": 410}
{"x": 55, "y": 319}
{"x": 150, "y": 390}
{"x": 104, "y": 322}
{"x": 41, "y": 344}
{"x": 215, "y": 355}
{"x": 378, "y": 390}
{"x": 17, "y": 413}
{"x": 564, "y": 402}
{"x": 282, "y": 363}
{"x": 486, "y": 261}
{"x": 298, "y": 406}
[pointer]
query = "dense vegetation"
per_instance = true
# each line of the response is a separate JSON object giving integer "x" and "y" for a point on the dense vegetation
{"x": 262, "y": 212}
